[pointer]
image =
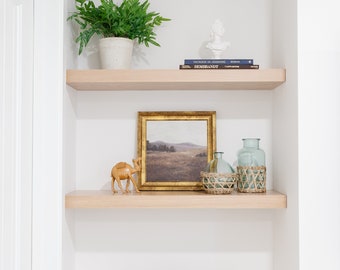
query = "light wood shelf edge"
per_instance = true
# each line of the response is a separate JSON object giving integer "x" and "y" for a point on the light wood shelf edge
{"x": 163, "y": 79}
{"x": 173, "y": 199}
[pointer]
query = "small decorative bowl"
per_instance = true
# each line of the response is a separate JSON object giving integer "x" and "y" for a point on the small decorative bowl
{"x": 218, "y": 183}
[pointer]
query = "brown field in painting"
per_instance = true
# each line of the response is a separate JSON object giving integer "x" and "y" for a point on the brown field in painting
{"x": 175, "y": 166}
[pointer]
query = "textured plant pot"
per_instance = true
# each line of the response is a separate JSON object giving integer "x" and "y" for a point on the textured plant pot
{"x": 115, "y": 52}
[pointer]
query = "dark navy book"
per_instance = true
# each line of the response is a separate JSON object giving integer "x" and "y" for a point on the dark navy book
{"x": 218, "y": 66}
{"x": 218, "y": 62}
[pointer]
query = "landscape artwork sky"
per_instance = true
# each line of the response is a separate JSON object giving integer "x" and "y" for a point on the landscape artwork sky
{"x": 178, "y": 131}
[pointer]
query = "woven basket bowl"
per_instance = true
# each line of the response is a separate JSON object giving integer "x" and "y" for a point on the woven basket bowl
{"x": 218, "y": 183}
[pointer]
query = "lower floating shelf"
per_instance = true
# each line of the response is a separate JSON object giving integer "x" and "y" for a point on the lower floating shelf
{"x": 174, "y": 199}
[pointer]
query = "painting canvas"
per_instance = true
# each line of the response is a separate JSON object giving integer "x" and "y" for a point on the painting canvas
{"x": 175, "y": 147}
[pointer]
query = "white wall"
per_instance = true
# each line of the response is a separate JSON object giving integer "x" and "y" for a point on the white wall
{"x": 247, "y": 26}
{"x": 47, "y": 188}
{"x": 173, "y": 239}
{"x": 285, "y": 134}
{"x": 319, "y": 133}
{"x": 107, "y": 126}
{"x": 16, "y": 94}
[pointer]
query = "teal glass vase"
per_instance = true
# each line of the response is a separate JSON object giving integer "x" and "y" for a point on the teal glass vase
{"x": 251, "y": 167}
{"x": 251, "y": 154}
{"x": 219, "y": 165}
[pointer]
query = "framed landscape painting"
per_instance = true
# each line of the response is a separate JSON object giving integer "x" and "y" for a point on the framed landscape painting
{"x": 175, "y": 147}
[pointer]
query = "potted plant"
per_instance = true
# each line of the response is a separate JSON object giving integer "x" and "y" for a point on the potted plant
{"x": 118, "y": 25}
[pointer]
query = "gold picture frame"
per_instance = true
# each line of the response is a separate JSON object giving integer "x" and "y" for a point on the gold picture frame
{"x": 175, "y": 147}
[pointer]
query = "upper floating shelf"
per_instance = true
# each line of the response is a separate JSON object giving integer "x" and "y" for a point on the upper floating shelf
{"x": 245, "y": 79}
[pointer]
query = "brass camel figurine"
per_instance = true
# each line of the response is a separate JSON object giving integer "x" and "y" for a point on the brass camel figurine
{"x": 124, "y": 171}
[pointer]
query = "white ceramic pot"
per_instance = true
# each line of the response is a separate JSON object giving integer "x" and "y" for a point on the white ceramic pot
{"x": 115, "y": 52}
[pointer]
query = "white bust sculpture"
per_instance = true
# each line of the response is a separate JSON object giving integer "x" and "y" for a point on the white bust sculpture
{"x": 216, "y": 45}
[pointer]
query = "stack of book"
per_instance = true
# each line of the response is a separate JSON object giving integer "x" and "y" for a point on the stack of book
{"x": 218, "y": 64}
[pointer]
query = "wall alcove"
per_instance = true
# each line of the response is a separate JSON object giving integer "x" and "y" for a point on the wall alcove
{"x": 100, "y": 110}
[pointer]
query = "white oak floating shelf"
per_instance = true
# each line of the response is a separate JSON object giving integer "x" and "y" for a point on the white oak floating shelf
{"x": 162, "y": 79}
{"x": 175, "y": 199}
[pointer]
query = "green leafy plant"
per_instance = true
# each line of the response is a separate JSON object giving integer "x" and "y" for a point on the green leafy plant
{"x": 130, "y": 19}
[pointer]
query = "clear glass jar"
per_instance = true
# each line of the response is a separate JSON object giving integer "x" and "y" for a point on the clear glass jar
{"x": 251, "y": 167}
{"x": 219, "y": 165}
{"x": 251, "y": 154}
